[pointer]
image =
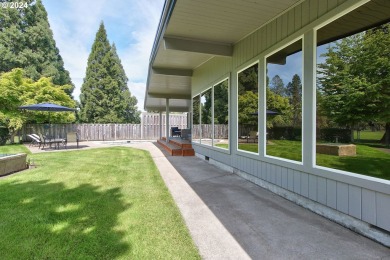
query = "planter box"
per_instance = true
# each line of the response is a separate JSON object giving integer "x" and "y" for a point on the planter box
{"x": 337, "y": 149}
{"x": 12, "y": 163}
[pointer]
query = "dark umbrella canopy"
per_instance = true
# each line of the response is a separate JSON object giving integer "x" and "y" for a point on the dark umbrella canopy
{"x": 269, "y": 112}
{"x": 50, "y": 107}
{"x": 47, "y": 107}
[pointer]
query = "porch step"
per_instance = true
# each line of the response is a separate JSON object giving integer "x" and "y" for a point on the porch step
{"x": 177, "y": 147}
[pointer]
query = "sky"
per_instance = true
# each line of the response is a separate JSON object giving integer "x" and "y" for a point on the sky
{"x": 130, "y": 24}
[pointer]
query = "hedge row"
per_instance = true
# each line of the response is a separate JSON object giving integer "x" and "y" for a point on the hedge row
{"x": 323, "y": 134}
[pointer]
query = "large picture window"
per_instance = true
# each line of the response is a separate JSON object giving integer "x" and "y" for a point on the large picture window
{"x": 248, "y": 99}
{"x": 353, "y": 92}
{"x": 284, "y": 103}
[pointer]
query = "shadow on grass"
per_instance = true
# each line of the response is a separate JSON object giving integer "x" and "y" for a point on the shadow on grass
{"x": 43, "y": 220}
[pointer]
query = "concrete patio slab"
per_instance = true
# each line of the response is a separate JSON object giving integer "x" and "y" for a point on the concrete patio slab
{"x": 231, "y": 218}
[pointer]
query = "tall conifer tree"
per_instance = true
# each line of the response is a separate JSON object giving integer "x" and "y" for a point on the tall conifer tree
{"x": 26, "y": 41}
{"x": 130, "y": 110}
{"x": 105, "y": 97}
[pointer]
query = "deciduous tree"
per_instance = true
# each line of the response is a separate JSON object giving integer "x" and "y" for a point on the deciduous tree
{"x": 355, "y": 80}
{"x": 17, "y": 90}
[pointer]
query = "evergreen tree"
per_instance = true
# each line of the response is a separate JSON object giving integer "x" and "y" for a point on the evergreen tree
{"x": 294, "y": 93}
{"x": 277, "y": 86}
{"x": 105, "y": 97}
{"x": 26, "y": 41}
{"x": 131, "y": 114}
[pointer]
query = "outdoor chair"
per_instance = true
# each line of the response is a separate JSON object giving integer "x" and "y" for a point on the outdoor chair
{"x": 252, "y": 135}
{"x": 175, "y": 131}
{"x": 44, "y": 140}
{"x": 185, "y": 134}
{"x": 71, "y": 137}
{"x": 35, "y": 140}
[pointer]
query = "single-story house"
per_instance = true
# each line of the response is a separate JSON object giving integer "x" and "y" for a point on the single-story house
{"x": 207, "y": 50}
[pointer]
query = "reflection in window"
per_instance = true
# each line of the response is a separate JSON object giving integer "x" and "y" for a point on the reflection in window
{"x": 196, "y": 119}
{"x": 353, "y": 104}
{"x": 206, "y": 117}
{"x": 248, "y": 109}
{"x": 284, "y": 103}
{"x": 221, "y": 114}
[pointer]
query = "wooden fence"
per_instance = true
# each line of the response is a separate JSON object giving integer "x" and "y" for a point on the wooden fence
{"x": 149, "y": 129}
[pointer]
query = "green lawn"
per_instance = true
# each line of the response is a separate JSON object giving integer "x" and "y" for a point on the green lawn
{"x": 369, "y": 160}
{"x": 369, "y": 135}
{"x": 106, "y": 203}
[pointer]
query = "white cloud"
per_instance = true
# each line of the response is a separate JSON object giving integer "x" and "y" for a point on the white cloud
{"x": 130, "y": 24}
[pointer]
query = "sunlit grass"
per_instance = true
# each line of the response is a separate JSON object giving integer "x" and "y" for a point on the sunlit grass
{"x": 94, "y": 204}
{"x": 369, "y": 160}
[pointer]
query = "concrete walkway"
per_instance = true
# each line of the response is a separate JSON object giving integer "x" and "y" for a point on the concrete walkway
{"x": 231, "y": 218}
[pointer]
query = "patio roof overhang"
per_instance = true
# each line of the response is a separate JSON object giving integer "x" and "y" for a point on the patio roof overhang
{"x": 192, "y": 32}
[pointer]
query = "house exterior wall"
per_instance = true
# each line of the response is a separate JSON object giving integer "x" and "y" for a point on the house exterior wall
{"x": 361, "y": 197}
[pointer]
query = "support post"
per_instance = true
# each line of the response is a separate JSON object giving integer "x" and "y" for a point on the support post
{"x": 309, "y": 100}
{"x": 160, "y": 134}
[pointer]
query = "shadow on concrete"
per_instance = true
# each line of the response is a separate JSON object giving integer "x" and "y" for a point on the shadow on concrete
{"x": 266, "y": 225}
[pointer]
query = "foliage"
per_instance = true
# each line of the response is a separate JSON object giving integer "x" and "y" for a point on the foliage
{"x": 284, "y": 133}
{"x": 4, "y": 135}
{"x": 221, "y": 103}
{"x": 281, "y": 105}
{"x": 330, "y": 134}
{"x": 248, "y": 80}
{"x": 354, "y": 80}
{"x": 106, "y": 203}
{"x": 105, "y": 97}
{"x": 196, "y": 110}
{"x": 294, "y": 93}
{"x": 26, "y": 41}
{"x": 248, "y": 96}
{"x": 206, "y": 101}
{"x": 277, "y": 86}
{"x": 18, "y": 90}
{"x": 248, "y": 107}
{"x": 130, "y": 112}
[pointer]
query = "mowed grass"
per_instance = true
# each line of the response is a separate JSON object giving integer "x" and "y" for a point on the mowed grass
{"x": 369, "y": 161}
{"x": 108, "y": 203}
{"x": 369, "y": 135}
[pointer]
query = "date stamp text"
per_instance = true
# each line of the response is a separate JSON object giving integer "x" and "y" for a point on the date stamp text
{"x": 13, "y": 5}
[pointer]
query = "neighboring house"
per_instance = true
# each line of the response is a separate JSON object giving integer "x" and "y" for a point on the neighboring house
{"x": 203, "y": 44}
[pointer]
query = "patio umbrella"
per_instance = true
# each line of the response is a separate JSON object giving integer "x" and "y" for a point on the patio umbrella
{"x": 269, "y": 112}
{"x": 50, "y": 107}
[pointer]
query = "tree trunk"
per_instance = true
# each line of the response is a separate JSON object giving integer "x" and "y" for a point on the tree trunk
{"x": 386, "y": 137}
{"x": 12, "y": 137}
{"x": 352, "y": 133}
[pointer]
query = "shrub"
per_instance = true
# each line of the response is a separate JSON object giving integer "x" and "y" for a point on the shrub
{"x": 329, "y": 135}
{"x": 4, "y": 135}
{"x": 284, "y": 133}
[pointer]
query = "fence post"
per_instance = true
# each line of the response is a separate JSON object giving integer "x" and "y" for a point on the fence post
{"x": 142, "y": 126}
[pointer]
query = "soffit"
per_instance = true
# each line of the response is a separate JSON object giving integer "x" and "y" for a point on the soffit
{"x": 219, "y": 23}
